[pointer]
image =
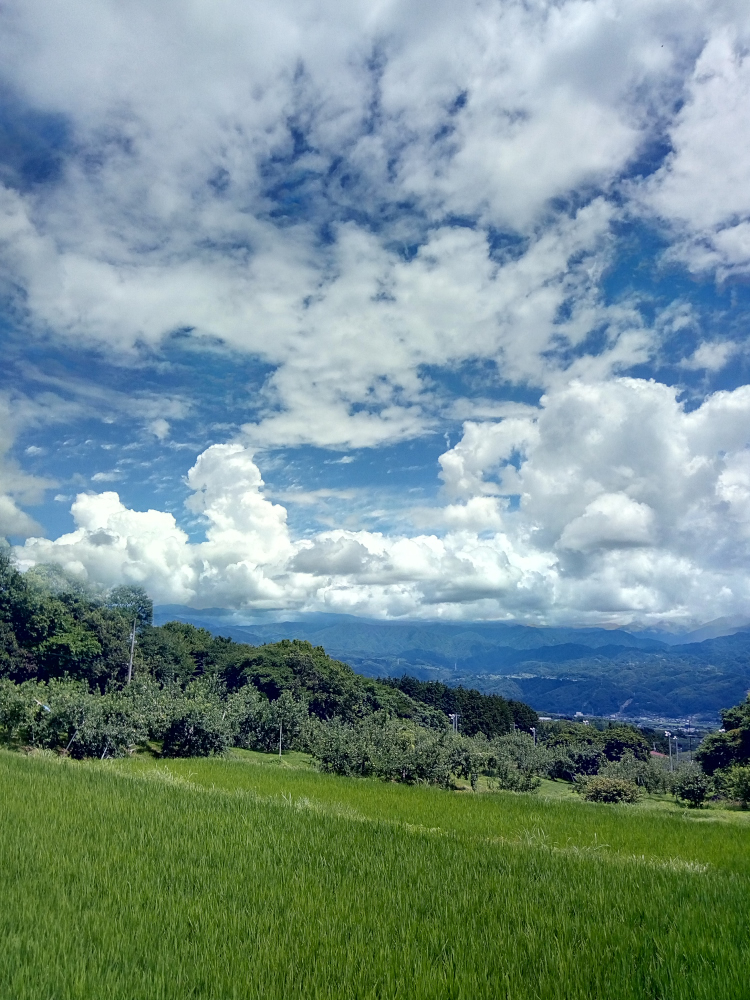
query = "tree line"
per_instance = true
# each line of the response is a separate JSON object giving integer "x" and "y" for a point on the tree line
{"x": 65, "y": 654}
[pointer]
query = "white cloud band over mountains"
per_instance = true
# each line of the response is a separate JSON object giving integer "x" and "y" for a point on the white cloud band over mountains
{"x": 628, "y": 505}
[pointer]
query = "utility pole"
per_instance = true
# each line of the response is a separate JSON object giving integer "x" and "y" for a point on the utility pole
{"x": 533, "y": 729}
{"x": 669, "y": 742}
{"x": 132, "y": 651}
{"x": 280, "y": 725}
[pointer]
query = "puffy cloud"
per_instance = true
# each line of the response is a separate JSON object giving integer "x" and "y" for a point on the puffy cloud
{"x": 641, "y": 503}
{"x": 613, "y": 520}
{"x": 13, "y": 520}
{"x": 704, "y": 186}
{"x": 629, "y": 506}
{"x": 246, "y": 543}
{"x": 357, "y": 197}
{"x": 205, "y": 159}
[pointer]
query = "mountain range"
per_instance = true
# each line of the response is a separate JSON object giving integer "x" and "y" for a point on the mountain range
{"x": 596, "y": 671}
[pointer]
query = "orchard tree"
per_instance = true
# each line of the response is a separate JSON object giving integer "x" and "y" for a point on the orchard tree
{"x": 133, "y": 603}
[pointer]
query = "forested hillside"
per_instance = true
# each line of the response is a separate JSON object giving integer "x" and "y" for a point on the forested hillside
{"x": 89, "y": 675}
{"x": 65, "y": 663}
{"x": 565, "y": 670}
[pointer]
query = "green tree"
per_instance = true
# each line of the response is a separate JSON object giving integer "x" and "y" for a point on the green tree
{"x": 647, "y": 774}
{"x": 569, "y": 760}
{"x": 133, "y": 603}
{"x": 259, "y": 724}
{"x": 736, "y": 783}
{"x": 198, "y": 728}
{"x": 604, "y": 789}
{"x": 721, "y": 750}
{"x": 514, "y": 762}
{"x": 691, "y": 785}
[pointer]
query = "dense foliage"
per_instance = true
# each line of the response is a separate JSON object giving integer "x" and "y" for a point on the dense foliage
{"x": 604, "y": 789}
{"x": 691, "y": 785}
{"x": 731, "y": 745}
{"x": 64, "y": 663}
{"x": 477, "y": 713}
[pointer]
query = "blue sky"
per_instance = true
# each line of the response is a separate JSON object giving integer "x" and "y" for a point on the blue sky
{"x": 394, "y": 310}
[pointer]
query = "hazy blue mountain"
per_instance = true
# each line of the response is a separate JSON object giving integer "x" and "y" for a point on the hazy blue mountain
{"x": 597, "y": 671}
{"x": 710, "y": 630}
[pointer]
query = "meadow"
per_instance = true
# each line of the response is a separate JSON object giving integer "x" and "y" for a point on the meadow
{"x": 244, "y": 878}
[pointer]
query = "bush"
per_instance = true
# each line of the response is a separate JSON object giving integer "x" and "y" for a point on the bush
{"x": 198, "y": 729}
{"x": 647, "y": 774}
{"x": 691, "y": 785}
{"x": 736, "y": 783}
{"x": 514, "y": 762}
{"x": 395, "y": 750}
{"x": 67, "y": 717}
{"x": 571, "y": 760}
{"x": 602, "y": 789}
{"x": 256, "y": 723}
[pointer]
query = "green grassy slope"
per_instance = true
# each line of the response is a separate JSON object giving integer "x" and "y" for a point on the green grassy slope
{"x": 232, "y": 879}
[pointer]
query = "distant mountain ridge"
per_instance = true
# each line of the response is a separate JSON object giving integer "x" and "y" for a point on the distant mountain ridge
{"x": 593, "y": 670}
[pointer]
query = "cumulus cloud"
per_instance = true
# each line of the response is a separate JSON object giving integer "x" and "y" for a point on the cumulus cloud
{"x": 703, "y": 189}
{"x": 612, "y": 521}
{"x": 628, "y": 506}
{"x": 638, "y": 500}
{"x": 207, "y": 155}
{"x": 247, "y": 542}
{"x": 358, "y": 197}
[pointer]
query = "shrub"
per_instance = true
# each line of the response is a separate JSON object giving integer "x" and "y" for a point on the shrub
{"x": 198, "y": 729}
{"x": 571, "y": 760}
{"x": 108, "y": 727}
{"x": 511, "y": 778}
{"x": 602, "y": 789}
{"x": 395, "y": 750}
{"x": 736, "y": 783}
{"x": 645, "y": 773}
{"x": 514, "y": 762}
{"x": 691, "y": 785}
{"x": 257, "y": 723}
{"x": 66, "y": 716}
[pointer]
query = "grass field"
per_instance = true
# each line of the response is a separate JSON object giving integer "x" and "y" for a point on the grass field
{"x": 243, "y": 878}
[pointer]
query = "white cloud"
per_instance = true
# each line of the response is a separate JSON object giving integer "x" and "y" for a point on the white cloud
{"x": 246, "y": 539}
{"x": 159, "y": 428}
{"x": 465, "y": 165}
{"x": 107, "y": 477}
{"x": 630, "y": 506}
{"x": 711, "y": 356}
{"x": 14, "y": 521}
{"x": 704, "y": 187}
{"x": 640, "y": 502}
{"x": 613, "y": 520}
{"x": 17, "y": 414}
{"x": 162, "y": 219}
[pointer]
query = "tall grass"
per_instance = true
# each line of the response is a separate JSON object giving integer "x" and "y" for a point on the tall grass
{"x": 130, "y": 883}
{"x": 698, "y": 836}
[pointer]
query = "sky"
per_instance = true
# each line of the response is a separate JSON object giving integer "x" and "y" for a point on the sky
{"x": 394, "y": 309}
